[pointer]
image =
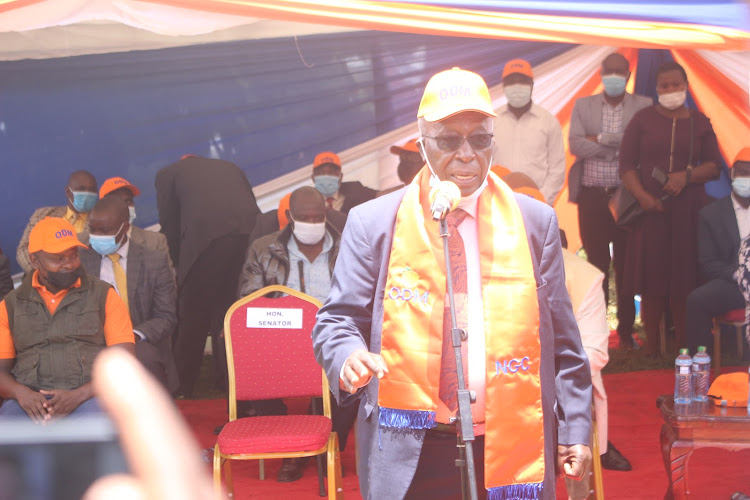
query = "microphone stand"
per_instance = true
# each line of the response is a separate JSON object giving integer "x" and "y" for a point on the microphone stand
{"x": 465, "y": 397}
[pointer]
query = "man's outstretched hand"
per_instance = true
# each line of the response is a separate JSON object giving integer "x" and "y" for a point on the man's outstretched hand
{"x": 573, "y": 460}
{"x": 359, "y": 368}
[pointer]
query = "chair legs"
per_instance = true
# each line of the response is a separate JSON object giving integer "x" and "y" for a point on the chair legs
{"x": 320, "y": 463}
{"x": 217, "y": 471}
{"x": 596, "y": 464}
{"x": 262, "y": 469}
{"x": 335, "y": 491}
{"x": 716, "y": 361}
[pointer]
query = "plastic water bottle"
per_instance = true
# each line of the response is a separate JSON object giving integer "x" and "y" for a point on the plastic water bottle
{"x": 683, "y": 386}
{"x": 701, "y": 373}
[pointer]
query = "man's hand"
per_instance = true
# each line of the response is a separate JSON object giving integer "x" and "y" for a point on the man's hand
{"x": 573, "y": 460}
{"x": 359, "y": 368}
{"x": 62, "y": 402}
{"x": 33, "y": 403}
{"x": 650, "y": 203}
{"x": 676, "y": 182}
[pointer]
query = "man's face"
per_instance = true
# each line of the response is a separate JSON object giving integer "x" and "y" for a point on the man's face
{"x": 517, "y": 79}
{"x": 125, "y": 194}
{"x": 310, "y": 211}
{"x": 615, "y": 66}
{"x": 465, "y": 167}
{"x": 80, "y": 183}
{"x": 66, "y": 261}
{"x": 670, "y": 81}
{"x": 741, "y": 169}
{"x": 106, "y": 223}
{"x": 409, "y": 165}
{"x": 327, "y": 169}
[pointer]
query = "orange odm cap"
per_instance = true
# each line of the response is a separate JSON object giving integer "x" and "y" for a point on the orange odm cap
{"x": 499, "y": 170}
{"x": 53, "y": 235}
{"x": 115, "y": 183}
{"x": 518, "y": 66}
{"x": 326, "y": 157}
{"x": 453, "y": 91}
{"x": 532, "y": 192}
{"x": 729, "y": 389}
{"x": 409, "y": 146}
{"x": 281, "y": 214}
{"x": 743, "y": 155}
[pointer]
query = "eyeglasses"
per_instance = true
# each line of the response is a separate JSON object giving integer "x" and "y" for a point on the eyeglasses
{"x": 452, "y": 143}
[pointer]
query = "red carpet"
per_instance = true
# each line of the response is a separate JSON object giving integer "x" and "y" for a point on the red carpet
{"x": 634, "y": 425}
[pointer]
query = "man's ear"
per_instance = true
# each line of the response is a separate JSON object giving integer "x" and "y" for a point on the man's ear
{"x": 288, "y": 214}
{"x": 420, "y": 147}
{"x": 34, "y": 260}
{"x": 125, "y": 229}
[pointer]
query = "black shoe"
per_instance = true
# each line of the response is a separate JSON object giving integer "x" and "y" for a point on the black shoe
{"x": 291, "y": 469}
{"x": 613, "y": 459}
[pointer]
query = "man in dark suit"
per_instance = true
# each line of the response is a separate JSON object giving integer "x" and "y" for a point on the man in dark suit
{"x": 412, "y": 455}
{"x": 341, "y": 196}
{"x": 143, "y": 278}
{"x": 207, "y": 210}
{"x": 722, "y": 226}
{"x": 596, "y": 128}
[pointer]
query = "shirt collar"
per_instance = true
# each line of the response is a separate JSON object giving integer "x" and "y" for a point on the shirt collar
{"x": 123, "y": 250}
{"x": 737, "y": 206}
{"x": 622, "y": 103}
{"x": 533, "y": 110}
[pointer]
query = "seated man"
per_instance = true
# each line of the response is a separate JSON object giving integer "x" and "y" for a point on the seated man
{"x": 144, "y": 280}
{"x": 119, "y": 187}
{"x": 722, "y": 225}
{"x": 341, "y": 196}
{"x": 301, "y": 256}
{"x": 53, "y": 326}
{"x": 6, "y": 280}
{"x": 81, "y": 195}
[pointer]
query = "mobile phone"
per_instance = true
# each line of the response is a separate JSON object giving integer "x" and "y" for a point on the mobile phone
{"x": 57, "y": 461}
{"x": 659, "y": 176}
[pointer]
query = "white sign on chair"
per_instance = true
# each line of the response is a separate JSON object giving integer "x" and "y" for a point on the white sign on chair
{"x": 274, "y": 318}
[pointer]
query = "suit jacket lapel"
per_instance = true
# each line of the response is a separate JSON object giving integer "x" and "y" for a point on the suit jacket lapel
{"x": 135, "y": 260}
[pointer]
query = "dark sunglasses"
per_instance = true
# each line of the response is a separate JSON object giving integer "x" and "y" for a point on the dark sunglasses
{"x": 452, "y": 143}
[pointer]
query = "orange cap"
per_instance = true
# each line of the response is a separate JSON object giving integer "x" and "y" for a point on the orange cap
{"x": 530, "y": 191}
{"x": 326, "y": 157}
{"x": 743, "y": 155}
{"x": 729, "y": 389}
{"x": 281, "y": 214}
{"x": 53, "y": 235}
{"x": 453, "y": 91}
{"x": 115, "y": 183}
{"x": 409, "y": 146}
{"x": 499, "y": 170}
{"x": 518, "y": 66}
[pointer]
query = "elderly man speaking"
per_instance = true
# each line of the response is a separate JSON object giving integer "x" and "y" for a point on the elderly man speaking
{"x": 380, "y": 333}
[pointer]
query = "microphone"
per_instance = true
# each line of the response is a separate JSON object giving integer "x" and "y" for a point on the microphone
{"x": 443, "y": 198}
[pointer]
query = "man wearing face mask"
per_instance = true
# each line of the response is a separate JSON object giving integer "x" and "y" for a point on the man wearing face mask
{"x": 53, "y": 326}
{"x": 596, "y": 128}
{"x": 723, "y": 225}
{"x": 383, "y": 331}
{"x": 125, "y": 191}
{"x": 301, "y": 256}
{"x": 143, "y": 278}
{"x": 81, "y": 194}
{"x": 341, "y": 196}
{"x": 528, "y": 138}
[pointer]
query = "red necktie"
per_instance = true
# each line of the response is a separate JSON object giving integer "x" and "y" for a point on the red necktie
{"x": 457, "y": 253}
{"x": 329, "y": 202}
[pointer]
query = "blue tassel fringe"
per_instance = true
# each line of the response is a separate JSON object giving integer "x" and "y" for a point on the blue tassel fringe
{"x": 406, "y": 419}
{"x": 530, "y": 491}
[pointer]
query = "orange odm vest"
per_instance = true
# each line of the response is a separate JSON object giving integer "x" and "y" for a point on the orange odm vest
{"x": 412, "y": 334}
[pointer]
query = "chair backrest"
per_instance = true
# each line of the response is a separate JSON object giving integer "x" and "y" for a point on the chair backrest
{"x": 269, "y": 346}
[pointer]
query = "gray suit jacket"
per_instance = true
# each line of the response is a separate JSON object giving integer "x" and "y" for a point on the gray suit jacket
{"x": 352, "y": 318}
{"x": 718, "y": 240}
{"x": 586, "y": 120}
{"x": 152, "y": 297}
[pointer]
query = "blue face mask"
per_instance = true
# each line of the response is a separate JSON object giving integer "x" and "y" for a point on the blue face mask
{"x": 741, "y": 187}
{"x": 84, "y": 201}
{"x": 326, "y": 184}
{"x": 105, "y": 244}
{"x": 614, "y": 85}
{"x": 132, "y": 214}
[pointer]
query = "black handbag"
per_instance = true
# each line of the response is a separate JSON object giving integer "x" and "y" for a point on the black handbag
{"x": 575, "y": 181}
{"x": 626, "y": 210}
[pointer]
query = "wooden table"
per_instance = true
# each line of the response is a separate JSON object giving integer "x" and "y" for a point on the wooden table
{"x": 688, "y": 427}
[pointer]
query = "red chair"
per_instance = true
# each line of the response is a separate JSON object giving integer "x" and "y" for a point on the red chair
{"x": 734, "y": 318}
{"x": 269, "y": 355}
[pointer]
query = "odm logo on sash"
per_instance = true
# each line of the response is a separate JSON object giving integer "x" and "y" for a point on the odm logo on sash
{"x": 409, "y": 291}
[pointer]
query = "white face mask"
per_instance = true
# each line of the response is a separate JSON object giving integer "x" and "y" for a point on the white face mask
{"x": 518, "y": 95}
{"x": 309, "y": 233}
{"x": 673, "y": 100}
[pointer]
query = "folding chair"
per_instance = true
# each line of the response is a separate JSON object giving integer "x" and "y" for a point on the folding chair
{"x": 269, "y": 355}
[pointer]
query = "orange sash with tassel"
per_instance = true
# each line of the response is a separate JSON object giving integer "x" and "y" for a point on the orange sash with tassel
{"x": 412, "y": 334}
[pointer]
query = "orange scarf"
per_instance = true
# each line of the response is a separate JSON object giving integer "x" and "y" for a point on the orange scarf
{"x": 412, "y": 334}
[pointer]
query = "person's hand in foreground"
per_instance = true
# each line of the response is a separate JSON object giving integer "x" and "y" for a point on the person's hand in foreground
{"x": 162, "y": 453}
{"x": 359, "y": 368}
{"x": 573, "y": 460}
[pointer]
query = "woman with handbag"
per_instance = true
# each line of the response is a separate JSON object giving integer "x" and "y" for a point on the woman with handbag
{"x": 668, "y": 153}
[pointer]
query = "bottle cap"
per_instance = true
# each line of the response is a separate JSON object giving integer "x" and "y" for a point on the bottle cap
{"x": 701, "y": 348}
{"x": 683, "y": 350}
